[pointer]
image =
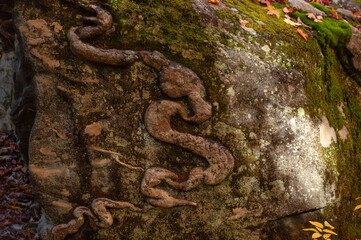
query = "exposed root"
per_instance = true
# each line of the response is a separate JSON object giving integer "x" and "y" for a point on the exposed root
{"x": 103, "y": 22}
{"x": 159, "y": 197}
{"x": 117, "y": 159}
{"x": 99, "y": 207}
{"x": 176, "y": 81}
{"x": 62, "y": 230}
{"x": 105, "y": 56}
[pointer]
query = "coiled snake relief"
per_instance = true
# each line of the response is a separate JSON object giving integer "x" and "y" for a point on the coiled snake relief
{"x": 175, "y": 81}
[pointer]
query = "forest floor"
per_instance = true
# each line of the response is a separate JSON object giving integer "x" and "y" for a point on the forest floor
{"x": 18, "y": 213}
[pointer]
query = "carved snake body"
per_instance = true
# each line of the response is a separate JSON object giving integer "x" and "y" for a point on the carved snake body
{"x": 175, "y": 81}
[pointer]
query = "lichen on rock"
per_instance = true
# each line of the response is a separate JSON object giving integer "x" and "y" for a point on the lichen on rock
{"x": 138, "y": 98}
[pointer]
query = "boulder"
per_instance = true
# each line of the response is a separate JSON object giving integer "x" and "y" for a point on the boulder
{"x": 170, "y": 128}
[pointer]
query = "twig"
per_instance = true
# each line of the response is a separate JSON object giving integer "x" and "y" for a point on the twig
{"x": 117, "y": 158}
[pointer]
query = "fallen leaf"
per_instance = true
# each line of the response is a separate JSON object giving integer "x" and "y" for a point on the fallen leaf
{"x": 317, "y": 224}
{"x": 316, "y": 235}
{"x": 300, "y": 21}
{"x": 329, "y": 231}
{"x": 327, "y": 224}
{"x": 313, "y": 17}
{"x": 290, "y": 22}
{"x": 289, "y": 10}
{"x": 334, "y": 13}
{"x": 310, "y": 229}
{"x": 302, "y": 33}
{"x": 243, "y": 22}
{"x": 326, "y": 236}
{"x": 274, "y": 12}
{"x": 27, "y": 233}
{"x": 357, "y": 207}
{"x": 213, "y": 1}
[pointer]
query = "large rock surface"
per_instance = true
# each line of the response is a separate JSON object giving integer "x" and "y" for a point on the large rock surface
{"x": 6, "y": 86}
{"x": 93, "y": 116}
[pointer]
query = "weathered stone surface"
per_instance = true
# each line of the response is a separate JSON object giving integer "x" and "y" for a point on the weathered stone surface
{"x": 354, "y": 47}
{"x": 122, "y": 134}
{"x": 348, "y": 14}
{"x": 351, "y": 5}
{"x": 6, "y": 86}
{"x": 305, "y": 6}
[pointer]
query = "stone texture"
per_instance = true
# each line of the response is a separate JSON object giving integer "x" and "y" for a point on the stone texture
{"x": 305, "y": 6}
{"x": 109, "y": 125}
{"x": 354, "y": 47}
{"x": 6, "y": 86}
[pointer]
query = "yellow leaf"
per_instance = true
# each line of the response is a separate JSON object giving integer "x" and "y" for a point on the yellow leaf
{"x": 319, "y": 229}
{"x": 310, "y": 229}
{"x": 317, "y": 224}
{"x": 27, "y": 232}
{"x": 326, "y": 236}
{"x": 357, "y": 207}
{"x": 213, "y": 1}
{"x": 243, "y": 22}
{"x": 270, "y": 7}
{"x": 290, "y": 22}
{"x": 316, "y": 235}
{"x": 329, "y": 231}
{"x": 357, "y": 198}
{"x": 327, "y": 224}
{"x": 274, "y": 12}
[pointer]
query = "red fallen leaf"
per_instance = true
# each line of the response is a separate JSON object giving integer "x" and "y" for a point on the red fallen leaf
{"x": 302, "y": 33}
{"x": 289, "y": 10}
{"x": 334, "y": 13}
{"x": 300, "y": 21}
{"x": 357, "y": 15}
{"x": 243, "y": 22}
{"x": 213, "y": 1}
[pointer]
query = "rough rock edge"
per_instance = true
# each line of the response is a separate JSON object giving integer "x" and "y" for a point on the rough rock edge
{"x": 354, "y": 46}
{"x": 301, "y": 4}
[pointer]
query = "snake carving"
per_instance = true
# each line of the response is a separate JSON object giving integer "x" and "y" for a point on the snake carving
{"x": 175, "y": 81}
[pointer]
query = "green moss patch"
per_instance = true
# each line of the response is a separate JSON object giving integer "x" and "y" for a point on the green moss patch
{"x": 224, "y": 14}
{"x": 170, "y": 27}
{"x": 335, "y": 33}
{"x": 321, "y": 7}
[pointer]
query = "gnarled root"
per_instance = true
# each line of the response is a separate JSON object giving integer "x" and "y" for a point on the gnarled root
{"x": 159, "y": 197}
{"x": 62, "y": 230}
{"x": 177, "y": 81}
{"x": 103, "y": 24}
{"x": 99, "y": 207}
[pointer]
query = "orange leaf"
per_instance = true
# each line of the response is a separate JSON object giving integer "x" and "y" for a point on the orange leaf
{"x": 14, "y": 207}
{"x": 289, "y": 10}
{"x": 334, "y": 13}
{"x": 243, "y": 22}
{"x": 270, "y": 7}
{"x": 274, "y": 12}
{"x": 302, "y": 33}
{"x": 27, "y": 233}
{"x": 213, "y": 1}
